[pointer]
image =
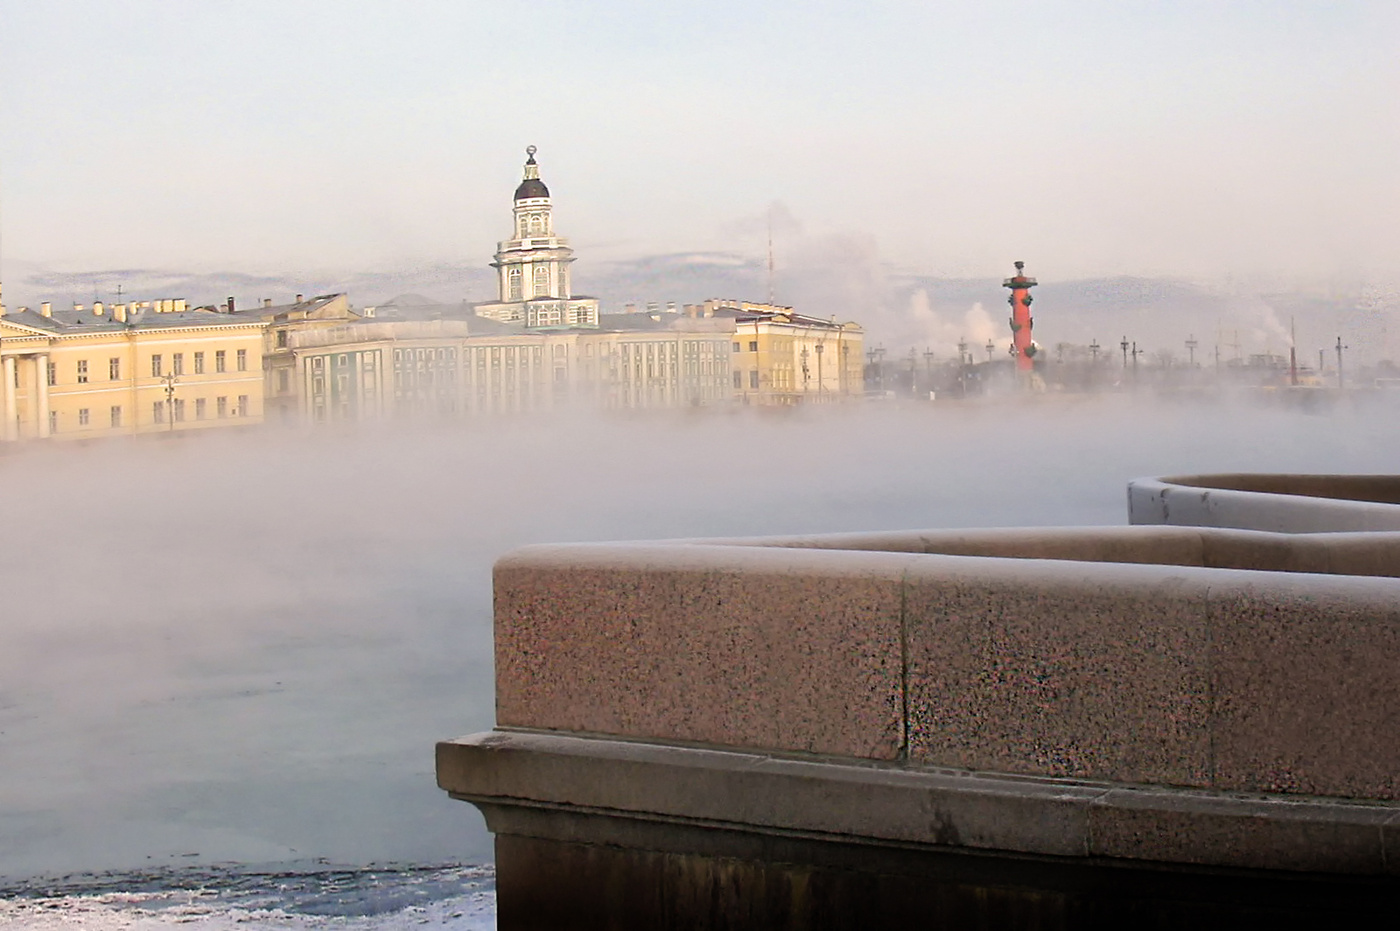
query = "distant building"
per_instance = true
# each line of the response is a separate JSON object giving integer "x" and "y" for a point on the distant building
{"x": 120, "y": 369}
{"x": 781, "y": 357}
{"x": 280, "y": 323}
{"x": 533, "y": 276}
{"x": 371, "y": 368}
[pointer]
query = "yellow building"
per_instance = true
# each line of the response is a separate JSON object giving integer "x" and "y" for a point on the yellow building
{"x": 126, "y": 369}
{"x": 281, "y": 322}
{"x": 780, "y": 357}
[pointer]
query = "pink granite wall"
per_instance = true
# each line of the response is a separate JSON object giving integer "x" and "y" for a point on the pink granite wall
{"x": 1173, "y": 675}
{"x": 715, "y": 645}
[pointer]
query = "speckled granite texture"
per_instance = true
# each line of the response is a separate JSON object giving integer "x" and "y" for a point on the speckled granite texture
{"x": 1173, "y": 675}
{"x": 716, "y": 645}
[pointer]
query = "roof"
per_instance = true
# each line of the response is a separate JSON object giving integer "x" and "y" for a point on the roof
{"x": 531, "y": 187}
{"x": 69, "y": 322}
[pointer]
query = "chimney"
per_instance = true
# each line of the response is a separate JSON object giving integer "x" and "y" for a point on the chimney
{"x": 299, "y": 298}
{"x": 119, "y": 313}
{"x": 180, "y": 305}
{"x": 267, "y": 302}
{"x": 97, "y": 309}
{"x": 230, "y": 303}
{"x": 47, "y": 309}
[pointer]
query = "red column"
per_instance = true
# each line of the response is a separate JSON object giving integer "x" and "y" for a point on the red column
{"x": 1023, "y": 347}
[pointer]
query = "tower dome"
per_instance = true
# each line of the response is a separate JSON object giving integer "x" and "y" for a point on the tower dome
{"x": 532, "y": 186}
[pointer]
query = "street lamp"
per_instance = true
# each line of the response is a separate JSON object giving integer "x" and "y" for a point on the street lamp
{"x": 170, "y": 383}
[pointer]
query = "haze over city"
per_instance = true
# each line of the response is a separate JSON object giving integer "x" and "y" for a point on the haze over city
{"x": 234, "y": 635}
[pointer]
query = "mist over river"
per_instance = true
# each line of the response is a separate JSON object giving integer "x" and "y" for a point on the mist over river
{"x": 241, "y": 648}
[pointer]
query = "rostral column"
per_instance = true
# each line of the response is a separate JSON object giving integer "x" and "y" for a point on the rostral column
{"x": 1022, "y": 346}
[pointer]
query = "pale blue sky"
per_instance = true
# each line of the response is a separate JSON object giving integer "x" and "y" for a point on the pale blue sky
{"x": 1088, "y": 138}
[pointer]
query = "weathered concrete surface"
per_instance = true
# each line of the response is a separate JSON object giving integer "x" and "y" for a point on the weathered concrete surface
{"x": 1130, "y": 673}
{"x": 1280, "y": 503}
{"x": 904, "y": 804}
{"x": 669, "y": 876}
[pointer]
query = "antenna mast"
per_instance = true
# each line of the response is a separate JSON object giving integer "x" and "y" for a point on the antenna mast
{"x": 770, "y": 254}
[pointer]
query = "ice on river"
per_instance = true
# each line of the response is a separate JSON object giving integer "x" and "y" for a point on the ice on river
{"x": 422, "y": 899}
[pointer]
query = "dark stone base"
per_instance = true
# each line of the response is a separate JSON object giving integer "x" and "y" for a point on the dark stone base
{"x": 756, "y": 881}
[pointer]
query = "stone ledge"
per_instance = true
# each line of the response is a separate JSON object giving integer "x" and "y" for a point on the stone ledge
{"x": 1276, "y": 503}
{"x": 897, "y": 804}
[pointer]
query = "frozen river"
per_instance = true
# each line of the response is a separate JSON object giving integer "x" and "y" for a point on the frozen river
{"x": 240, "y": 649}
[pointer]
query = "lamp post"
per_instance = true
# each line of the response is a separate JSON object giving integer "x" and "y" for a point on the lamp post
{"x": 170, "y": 383}
{"x": 1191, "y": 345}
{"x": 821, "y": 385}
{"x": 1124, "y": 344}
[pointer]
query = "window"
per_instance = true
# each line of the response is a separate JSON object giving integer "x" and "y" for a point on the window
{"x": 53, "y": 421}
{"x": 179, "y": 410}
{"x": 158, "y": 411}
{"x": 155, "y": 366}
{"x": 513, "y": 284}
{"x": 82, "y": 416}
{"x": 82, "y": 371}
{"x": 219, "y": 365}
{"x": 242, "y": 404}
{"x": 116, "y": 415}
{"x": 243, "y": 360}
{"x": 221, "y": 407}
{"x": 736, "y": 347}
{"x": 199, "y": 363}
{"x": 200, "y": 408}
{"x": 52, "y": 376}
{"x": 114, "y": 369}
{"x": 177, "y": 364}
{"x": 281, "y": 339}
{"x": 284, "y": 381}
{"x": 753, "y": 345}
{"x": 738, "y": 377}
{"x": 753, "y": 379}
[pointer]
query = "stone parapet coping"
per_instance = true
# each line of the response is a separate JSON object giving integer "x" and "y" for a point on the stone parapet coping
{"x": 906, "y": 805}
{"x": 1279, "y": 503}
{"x": 1346, "y": 553}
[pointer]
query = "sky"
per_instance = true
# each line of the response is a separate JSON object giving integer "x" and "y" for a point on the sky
{"x": 302, "y": 138}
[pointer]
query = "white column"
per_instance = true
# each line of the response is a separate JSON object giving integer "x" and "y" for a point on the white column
{"x": 41, "y": 392}
{"x": 11, "y": 403}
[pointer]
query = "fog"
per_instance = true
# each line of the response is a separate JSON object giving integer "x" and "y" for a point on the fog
{"x": 242, "y": 647}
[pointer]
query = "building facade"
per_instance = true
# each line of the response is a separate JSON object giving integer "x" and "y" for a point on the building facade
{"x": 111, "y": 370}
{"x": 780, "y": 357}
{"x": 372, "y": 370}
{"x": 532, "y": 267}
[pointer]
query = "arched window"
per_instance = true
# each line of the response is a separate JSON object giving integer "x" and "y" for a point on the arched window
{"x": 513, "y": 283}
{"x": 541, "y": 280}
{"x": 536, "y": 223}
